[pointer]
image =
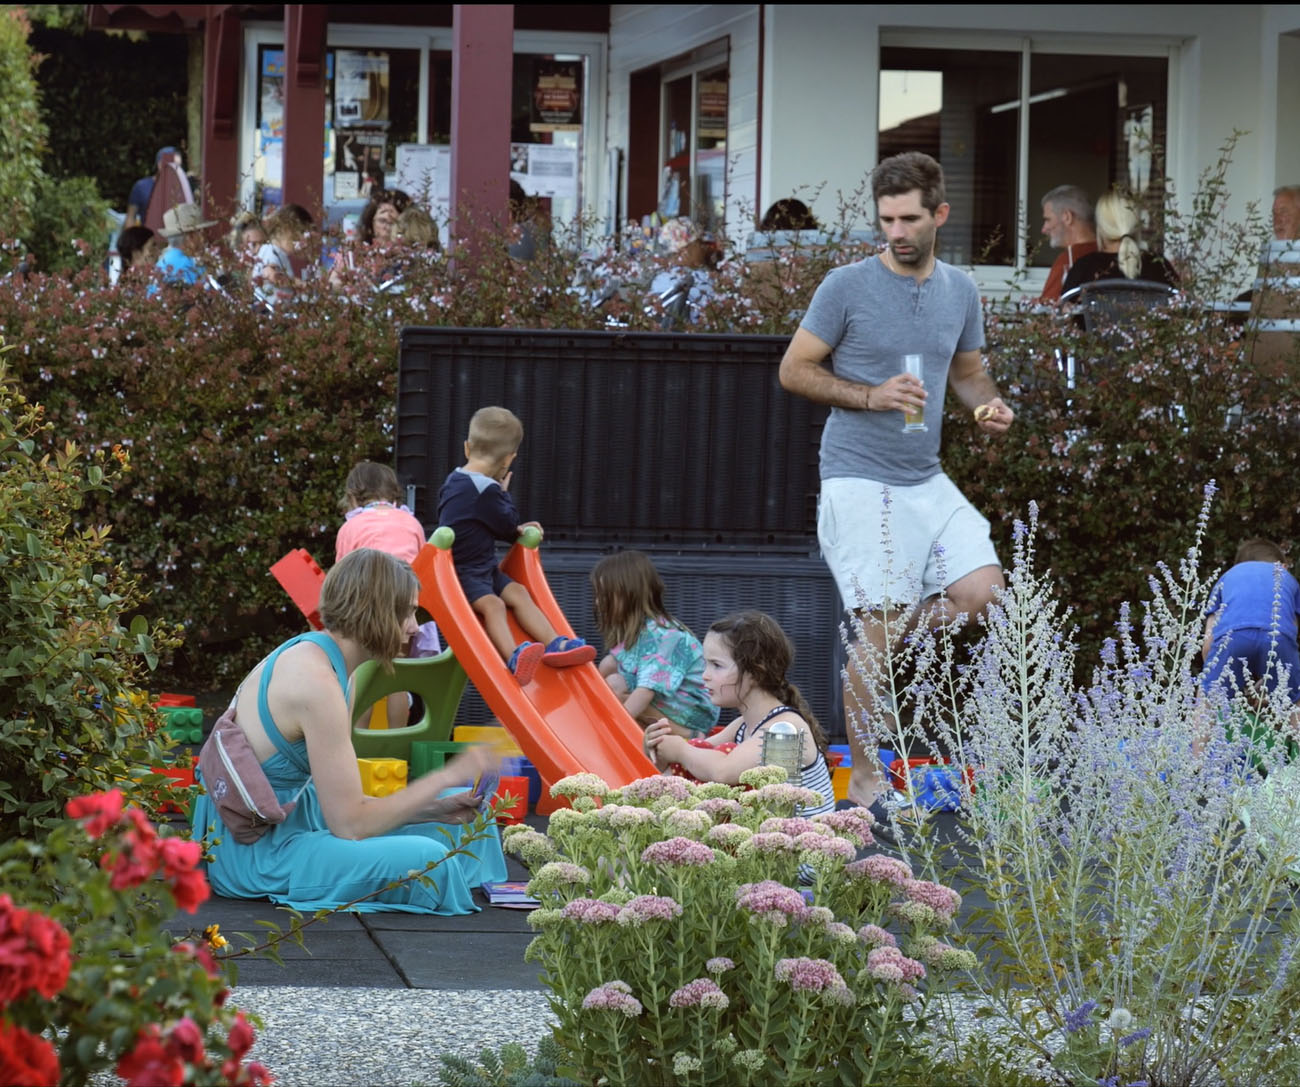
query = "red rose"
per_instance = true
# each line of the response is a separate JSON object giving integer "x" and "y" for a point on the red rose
{"x": 190, "y": 889}
{"x": 241, "y": 1037}
{"x": 33, "y": 953}
{"x": 100, "y": 810}
{"x": 150, "y": 1064}
{"x": 187, "y": 1041}
{"x": 25, "y": 1059}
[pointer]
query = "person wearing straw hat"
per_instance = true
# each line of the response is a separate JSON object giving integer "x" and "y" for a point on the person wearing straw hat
{"x": 182, "y": 227}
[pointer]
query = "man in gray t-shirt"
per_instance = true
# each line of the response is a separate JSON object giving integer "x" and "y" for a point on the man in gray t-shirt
{"x": 895, "y": 532}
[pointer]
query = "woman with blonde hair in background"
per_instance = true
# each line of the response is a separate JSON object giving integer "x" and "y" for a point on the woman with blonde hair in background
{"x": 1119, "y": 252}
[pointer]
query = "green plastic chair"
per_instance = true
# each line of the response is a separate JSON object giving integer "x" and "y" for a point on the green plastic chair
{"x": 439, "y": 681}
{"x": 1260, "y": 735}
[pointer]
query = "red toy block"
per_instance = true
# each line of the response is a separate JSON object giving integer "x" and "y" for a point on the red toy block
{"x": 517, "y": 787}
{"x": 182, "y": 776}
{"x": 167, "y": 698}
{"x": 301, "y": 577}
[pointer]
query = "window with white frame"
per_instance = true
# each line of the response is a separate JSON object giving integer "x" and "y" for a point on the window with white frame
{"x": 1011, "y": 122}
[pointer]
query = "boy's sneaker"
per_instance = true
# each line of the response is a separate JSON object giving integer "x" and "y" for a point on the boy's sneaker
{"x": 566, "y": 652}
{"x": 524, "y": 660}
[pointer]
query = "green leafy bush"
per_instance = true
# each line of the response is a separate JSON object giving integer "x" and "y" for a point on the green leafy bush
{"x": 243, "y": 425}
{"x": 71, "y": 719}
{"x": 22, "y": 136}
{"x": 70, "y": 224}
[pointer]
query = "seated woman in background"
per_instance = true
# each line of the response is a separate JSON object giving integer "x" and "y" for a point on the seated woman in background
{"x": 1119, "y": 254}
{"x": 376, "y": 235}
{"x": 337, "y": 844}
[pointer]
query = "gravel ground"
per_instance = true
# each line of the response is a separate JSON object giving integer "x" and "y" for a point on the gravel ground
{"x": 384, "y": 1037}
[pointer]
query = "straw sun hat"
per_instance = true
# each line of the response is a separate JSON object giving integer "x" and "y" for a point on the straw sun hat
{"x": 184, "y": 219}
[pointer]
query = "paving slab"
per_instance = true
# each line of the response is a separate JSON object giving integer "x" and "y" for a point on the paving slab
{"x": 467, "y": 960}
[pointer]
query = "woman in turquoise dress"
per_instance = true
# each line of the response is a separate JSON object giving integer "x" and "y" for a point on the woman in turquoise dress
{"x": 337, "y": 844}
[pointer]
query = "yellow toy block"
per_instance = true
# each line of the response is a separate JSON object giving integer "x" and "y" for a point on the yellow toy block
{"x": 840, "y": 781}
{"x": 487, "y": 734}
{"x": 380, "y": 777}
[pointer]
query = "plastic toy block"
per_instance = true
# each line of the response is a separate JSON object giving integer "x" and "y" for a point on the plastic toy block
{"x": 184, "y": 724}
{"x": 522, "y": 767}
{"x": 517, "y": 787}
{"x": 169, "y": 698}
{"x": 842, "y": 754}
{"x": 429, "y": 755}
{"x": 301, "y": 577}
{"x": 381, "y": 777}
{"x": 840, "y": 782}
{"x": 487, "y": 734}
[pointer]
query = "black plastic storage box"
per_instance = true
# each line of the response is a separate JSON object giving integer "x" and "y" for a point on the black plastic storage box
{"x": 682, "y": 445}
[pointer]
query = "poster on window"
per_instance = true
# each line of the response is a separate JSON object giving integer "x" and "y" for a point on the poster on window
{"x": 557, "y": 96}
{"x": 358, "y": 161}
{"x": 711, "y": 124}
{"x": 271, "y": 99}
{"x": 424, "y": 173}
{"x": 360, "y": 88}
{"x": 542, "y": 169}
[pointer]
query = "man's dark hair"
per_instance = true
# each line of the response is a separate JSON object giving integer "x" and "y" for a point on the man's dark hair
{"x": 900, "y": 174}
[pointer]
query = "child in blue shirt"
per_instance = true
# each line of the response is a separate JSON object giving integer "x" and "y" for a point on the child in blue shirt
{"x": 476, "y": 504}
{"x": 1239, "y": 638}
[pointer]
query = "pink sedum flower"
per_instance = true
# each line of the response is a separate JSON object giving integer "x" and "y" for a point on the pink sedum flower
{"x": 826, "y": 845}
{"x": 943, "y": 900}
{"x": 678, "y": 853}
{"x": 653, "y": 788}
{"x": 880, "y": 869}
{"x": 875, "y": 936}
{"x": 645, "y": 908}
{"x": 720, "y": 808}
{"x": 793, "y": 826}
{"x": 890, "y": 964}
{"x": 590, "y": 911}
{"x": 719, "y": 965}
{"x": 854, "y": 824}
{"x": 766, "y": 844}
{"x": 613, "y": 996}
{"x": 700, "y": 993}
{"x": 806, "y": 975}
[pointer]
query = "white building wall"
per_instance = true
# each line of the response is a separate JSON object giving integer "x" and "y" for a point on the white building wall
{"x": 641, "y": 35}
{"x": 820, "y": 67}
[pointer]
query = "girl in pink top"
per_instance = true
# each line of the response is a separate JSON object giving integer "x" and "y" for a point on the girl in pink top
{"x": 373, "y": 517}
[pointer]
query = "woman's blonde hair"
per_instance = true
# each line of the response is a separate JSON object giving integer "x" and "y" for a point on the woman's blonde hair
{"x": 367, "y": 597}
{"x": 1118, "y": 221}
{"x": 626, "y": 590}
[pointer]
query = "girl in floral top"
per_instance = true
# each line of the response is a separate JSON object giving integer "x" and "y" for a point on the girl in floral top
{"x": 655, "y": 665}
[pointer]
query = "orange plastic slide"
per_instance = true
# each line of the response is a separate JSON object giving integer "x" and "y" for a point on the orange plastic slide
{"x": 566, "y": 720}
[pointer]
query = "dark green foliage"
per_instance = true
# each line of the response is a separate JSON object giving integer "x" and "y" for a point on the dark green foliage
{"x": 70, "y": 719}
{"x": 110, "y": 102}
{"x": 70, "y": 224}
{"x": 22, "y": 132}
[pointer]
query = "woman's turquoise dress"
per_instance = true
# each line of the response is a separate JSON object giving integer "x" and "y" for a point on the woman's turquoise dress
{"x": 299, "y": 863}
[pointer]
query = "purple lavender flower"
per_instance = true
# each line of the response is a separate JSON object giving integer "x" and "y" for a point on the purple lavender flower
{"x": 1136, "y": 1036}
{"x": 1081, "y": 1017}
